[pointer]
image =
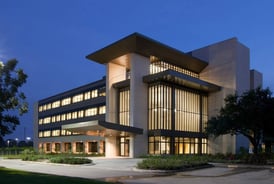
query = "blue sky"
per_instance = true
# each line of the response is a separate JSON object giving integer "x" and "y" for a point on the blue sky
{"x": 50, "y": 38}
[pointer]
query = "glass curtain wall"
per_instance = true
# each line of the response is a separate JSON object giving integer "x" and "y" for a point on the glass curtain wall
{"x": 174, "y": 110}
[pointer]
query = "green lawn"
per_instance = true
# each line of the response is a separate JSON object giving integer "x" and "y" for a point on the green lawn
{"x": 11, "y": 176}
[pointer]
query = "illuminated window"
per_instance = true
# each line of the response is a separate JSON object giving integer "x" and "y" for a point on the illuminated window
{"x": 158, "y": 65}
{"x": 55, "y": 133}
{"x": 160, "y": 108}
{"x": 47, "y": 120}
{"x": 40, "y": 134}
{"x": 63, "y": 132}
{"x": 94, "y": 93}
{"x": 58, "y": 118}
{"x": 56, "y": 104}
{"x": 80, "y": 113}
{"x": 91, "y": 112}
{"x": 66, "y": 101}
{"x": 159, "y": 145}
{"x": 124, "y": 107}
{"x": 40, "y": 121}
{"x": 68, "y": 116}
{"x": 47, "y": 133}
{"x": 63, "y": 117}
{"x": 40, "y": 109}
{"x": 53, "y": 119}
{"x": 74, "y": 115}
{"x": 48, "y": 106}
{"x": 87, "y": 95}
{"x": 77, "y": 98}
{"x": 102, "y": 110}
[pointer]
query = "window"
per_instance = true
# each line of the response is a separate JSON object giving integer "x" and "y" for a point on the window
{"x": 57, "y": 147}
{"x": 94, "y": 93}
{"x": 102, "y": 110}
{"x": 63, "y": 117}
{"x": 55, "y": 133}
{"x": 66, "y": 101}
{"x": 47, "y": 133}
{"x": 80, "y": 114}
{"x": 77, "y": 98}
{"x": 40, "y": 121}
{"x": 56, "y": 104}
{"x": 91, "y": 112}
{"x": 74, "y": 115}
{"x": 159, "y": 145}
{"x": 124, "y": 111}
{"x": 47, "y": 120}
{"x": 157, "y": 66}
{"x": 93, "y": 147}
{"x": 87, "y": 95}
{"x": 79, "y": 147}
{"x": 160, "y": 107}
{"x": 68, "y": 116}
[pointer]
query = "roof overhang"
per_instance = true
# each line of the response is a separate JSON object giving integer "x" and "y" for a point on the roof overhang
{"x": 140, "y": 44}
{"x": 181, "y": 79}
{"x": 103, "y": 128}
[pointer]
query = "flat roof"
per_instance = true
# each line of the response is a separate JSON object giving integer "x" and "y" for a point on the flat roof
{"x": 107, "y": 127}
{"x": 140, "y": 44}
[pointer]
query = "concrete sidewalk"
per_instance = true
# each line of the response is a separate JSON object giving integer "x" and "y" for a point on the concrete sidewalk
{"x": 124, "y": 170}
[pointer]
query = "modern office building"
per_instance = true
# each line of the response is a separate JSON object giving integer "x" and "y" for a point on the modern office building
{"x": 154, "y": 99}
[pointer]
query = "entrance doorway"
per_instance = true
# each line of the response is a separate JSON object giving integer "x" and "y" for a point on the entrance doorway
{"x": 124, "y": 146}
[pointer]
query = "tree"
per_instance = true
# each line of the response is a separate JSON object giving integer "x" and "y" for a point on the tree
{"x": 12, "y": 101}
{"x": 250, "y": 114}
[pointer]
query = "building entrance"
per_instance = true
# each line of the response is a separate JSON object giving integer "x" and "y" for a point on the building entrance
{"x": 124, "y": 146}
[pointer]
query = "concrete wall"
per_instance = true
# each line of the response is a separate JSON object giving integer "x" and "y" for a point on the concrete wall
{"x": 256, "y": 79}
{"x": 138, "y": 103}
{"x": 229, "y": 68}
{"x": 114, "y": 73}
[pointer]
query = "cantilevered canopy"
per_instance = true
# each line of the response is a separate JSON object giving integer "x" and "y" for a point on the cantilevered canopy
{"x": 140, "y": 44}
{"x": 181, "y": 79}
{"x": 103, "y": 128}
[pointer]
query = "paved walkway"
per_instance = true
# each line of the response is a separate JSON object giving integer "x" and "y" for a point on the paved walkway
{"x": 123, "y": 170}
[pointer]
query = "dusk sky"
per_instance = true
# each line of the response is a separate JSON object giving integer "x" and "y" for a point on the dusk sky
{"x": 50, "y": 38}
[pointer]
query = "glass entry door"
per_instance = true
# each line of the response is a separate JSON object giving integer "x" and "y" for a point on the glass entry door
{"x": 124, "y": 146}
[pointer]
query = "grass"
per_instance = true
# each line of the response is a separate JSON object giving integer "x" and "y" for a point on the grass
{"x": 21, "y": 177}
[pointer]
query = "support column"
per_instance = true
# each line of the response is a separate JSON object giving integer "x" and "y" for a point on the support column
{"x": 139, "y": 103}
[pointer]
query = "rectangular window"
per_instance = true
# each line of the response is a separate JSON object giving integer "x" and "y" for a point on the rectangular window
{"x": 92, "y": 147}
{"x": 56, "y": 104}
{"x": 66, "y": 101}
{"x": 68, "y": 116}
{"x": 80, "y": 114}
{"x": 94, "y": 93}
{"x": 87, "y": 95}
{"x": 77, "y": 98}
{"x": 160, "y": 107}
{"x": 124, "y": 104}
{"x": 74, "y": 115}
{"x": 47, "y": 133}
{"x": 91, "y": 112}
{"x": 79, "y": 147}
{"x": 102, "y": 110}
{"x": 55, "y": 133}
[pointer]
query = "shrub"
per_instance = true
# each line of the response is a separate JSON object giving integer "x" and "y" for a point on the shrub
{"x": 172, "y": 162}
{"x": 70, "y": 160}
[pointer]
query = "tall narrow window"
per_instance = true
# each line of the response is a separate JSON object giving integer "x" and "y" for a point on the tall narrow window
{"x": 160, "y": 107}
{"x": 124, "y": 109}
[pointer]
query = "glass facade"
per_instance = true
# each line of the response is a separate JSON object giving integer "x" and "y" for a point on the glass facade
{"x": 180, "y": 115}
